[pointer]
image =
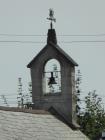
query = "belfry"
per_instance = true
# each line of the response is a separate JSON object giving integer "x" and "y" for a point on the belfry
{"x": 53, "y": 79}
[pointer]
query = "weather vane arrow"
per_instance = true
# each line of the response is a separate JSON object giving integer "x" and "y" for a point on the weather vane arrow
{"x": 51, "y": 17}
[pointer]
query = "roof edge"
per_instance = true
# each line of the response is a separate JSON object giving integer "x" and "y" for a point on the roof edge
{"x": 30, "y": 63}
{"x": 16, "y": 109}
{"x": 64, "y": 53}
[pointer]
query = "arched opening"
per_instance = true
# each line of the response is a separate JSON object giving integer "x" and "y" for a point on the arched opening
{"x": 52, "y": 77}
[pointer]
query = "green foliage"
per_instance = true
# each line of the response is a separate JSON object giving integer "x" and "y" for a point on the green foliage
{"x": 78, "y": 91}
{"x": 92, "y": 119}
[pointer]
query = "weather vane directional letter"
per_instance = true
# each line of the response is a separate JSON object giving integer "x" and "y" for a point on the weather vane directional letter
{"x": 51, "y": 17}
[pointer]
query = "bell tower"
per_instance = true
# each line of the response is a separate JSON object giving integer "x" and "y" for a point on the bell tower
{"x": 53, "y": 78}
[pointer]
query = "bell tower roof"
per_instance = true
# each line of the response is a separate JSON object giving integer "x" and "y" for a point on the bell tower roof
{"x": 52, "y": 44}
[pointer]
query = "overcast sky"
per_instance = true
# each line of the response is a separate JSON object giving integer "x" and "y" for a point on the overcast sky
{"x": 83, "y": 20}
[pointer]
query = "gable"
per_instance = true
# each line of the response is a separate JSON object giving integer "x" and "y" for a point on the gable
{"x": 56, "y": 48}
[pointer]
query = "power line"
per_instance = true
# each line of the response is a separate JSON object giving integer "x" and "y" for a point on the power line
{"x": 94, "y": 35}
{"x": 65, "y": 42}
{"x": 57, "y": 35}
{"x": 16, "y": 41}
{"x": 21, "y": 35}
{"x": 83, "y": 41}
{"x": 11, "y": 94}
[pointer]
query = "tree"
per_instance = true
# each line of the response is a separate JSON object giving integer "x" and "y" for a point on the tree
{"x": 20, "y": 96}
{"x": 92, "y": 119}
{"x": 78, "y": 91}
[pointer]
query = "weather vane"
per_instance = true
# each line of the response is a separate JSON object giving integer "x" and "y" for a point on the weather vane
{"x": 51, "y": 17}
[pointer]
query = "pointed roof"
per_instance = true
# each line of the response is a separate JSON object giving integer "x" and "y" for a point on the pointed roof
{"x": 52, "y": 41}
{"x": 56, "y": 47}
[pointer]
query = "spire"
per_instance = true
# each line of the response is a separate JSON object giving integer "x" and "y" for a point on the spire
{"x": 51, "y": 36}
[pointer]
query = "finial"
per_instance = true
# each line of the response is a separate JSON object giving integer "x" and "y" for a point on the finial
{"x": 51, "y": 17}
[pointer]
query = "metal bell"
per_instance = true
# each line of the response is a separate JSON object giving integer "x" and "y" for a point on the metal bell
{"x": 51, "y": 80}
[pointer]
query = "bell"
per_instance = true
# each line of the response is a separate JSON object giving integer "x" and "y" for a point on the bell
{"x": 51, "y": 80}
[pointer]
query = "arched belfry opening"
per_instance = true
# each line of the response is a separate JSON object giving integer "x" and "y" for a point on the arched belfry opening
{"x": 52, "y": 77}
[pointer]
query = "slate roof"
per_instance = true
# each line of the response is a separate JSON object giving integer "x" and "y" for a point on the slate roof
{"x": 61, "y": 51}
{"x": 36, "y": 125}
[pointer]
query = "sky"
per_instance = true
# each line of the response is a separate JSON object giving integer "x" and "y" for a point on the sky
{"x": 80, "y": 29}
